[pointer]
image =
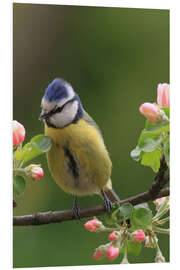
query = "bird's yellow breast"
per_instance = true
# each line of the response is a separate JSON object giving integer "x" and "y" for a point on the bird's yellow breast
{"x": 78, "y": 159}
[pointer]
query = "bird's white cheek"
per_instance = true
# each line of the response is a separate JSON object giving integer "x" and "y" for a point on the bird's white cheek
{"x": 66, "y": 116}
{"x": 52, "y": 120}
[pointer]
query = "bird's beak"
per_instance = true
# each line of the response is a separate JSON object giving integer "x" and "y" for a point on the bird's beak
{"x": 44, "y": 114}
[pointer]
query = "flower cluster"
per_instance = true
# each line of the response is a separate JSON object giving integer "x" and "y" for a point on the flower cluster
{"x": 152, "y": 111}
{"x": 153, "y": 143}
{"x": 112, "y": 249}
{"x": 23, "y": 154}
{"x": 18, "y": 133}
{"x": 124, "y": 238}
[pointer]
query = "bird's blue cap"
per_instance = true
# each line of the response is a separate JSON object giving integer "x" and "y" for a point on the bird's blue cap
{"x": 56, "y": 90}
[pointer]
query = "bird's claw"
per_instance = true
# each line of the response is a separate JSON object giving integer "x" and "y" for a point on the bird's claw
{"x": 108, "y": 205}
{"x": 76, "y": 209}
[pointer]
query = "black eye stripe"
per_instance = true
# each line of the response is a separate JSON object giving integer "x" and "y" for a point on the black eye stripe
{"x": 55, "y": 110}
{"x": 59, "y": 109}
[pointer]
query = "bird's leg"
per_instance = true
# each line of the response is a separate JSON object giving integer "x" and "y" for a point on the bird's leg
{"x": 107, "y": 203}
{"x": 76, "y": 208}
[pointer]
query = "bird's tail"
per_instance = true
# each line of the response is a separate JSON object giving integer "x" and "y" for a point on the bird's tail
{"x": 112, "y": 196}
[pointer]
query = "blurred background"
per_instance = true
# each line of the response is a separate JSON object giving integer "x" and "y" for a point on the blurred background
{"x": 114, "y": 58}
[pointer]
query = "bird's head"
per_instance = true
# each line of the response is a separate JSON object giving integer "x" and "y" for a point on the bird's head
{"x": 60, "y": 104}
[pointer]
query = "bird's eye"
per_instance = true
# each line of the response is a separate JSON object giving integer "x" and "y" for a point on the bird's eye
{"x": 55, "y": 110}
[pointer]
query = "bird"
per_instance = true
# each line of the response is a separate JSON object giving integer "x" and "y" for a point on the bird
{"x": 78, "y": 159}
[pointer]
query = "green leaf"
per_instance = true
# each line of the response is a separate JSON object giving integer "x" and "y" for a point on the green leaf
{"x": 149, "y": 141}
{"x": 125, "y": 211}
{"x": 109, "y": 219}
{"x": 150, "y": 145}
{"x": 42, "y": 142}
{"x": 135, "y": 153}
{"x": 142, "y": 205}
{"x": 157, "y": 128}
{"x": 166, "y": 110}
{"x": 121, "y": 212}
{"x": 132, "y": 247}
{"x": 167, "y": 152}
{"x": 141, "y": 219}
{"x": 37, "y": 146}
{"x": 19, "y": 185}
{"x": 152, "y": 159}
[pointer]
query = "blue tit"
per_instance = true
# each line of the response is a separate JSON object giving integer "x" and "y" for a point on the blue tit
{"x": 78, "y": 159}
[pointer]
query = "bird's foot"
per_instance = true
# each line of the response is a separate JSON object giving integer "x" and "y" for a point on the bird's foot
{"x": 76, "y": 209}
{"x": 107, "y": 203}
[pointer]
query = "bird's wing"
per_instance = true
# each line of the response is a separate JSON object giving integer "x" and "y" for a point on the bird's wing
{"x": 91, "y": 122}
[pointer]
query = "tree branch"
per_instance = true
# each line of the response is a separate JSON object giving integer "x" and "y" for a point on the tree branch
{"x": 59, "y": 216}
{"x": 160, "y": 179}
{"x": 145, "y": 197}
{"x": 153, "y": 193}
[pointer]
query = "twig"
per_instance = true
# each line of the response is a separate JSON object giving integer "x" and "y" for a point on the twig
{"x": 160, "y": 180}
{"x": 59, "y": 216}
{"x": 145, "y": 197}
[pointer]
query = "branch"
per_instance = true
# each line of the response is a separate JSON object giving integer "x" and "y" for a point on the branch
{"x": 145, "y": 197}
{"x": 160, "y": 179}
{"x": 153, "y": 193}
{"x": 59, "y": 216}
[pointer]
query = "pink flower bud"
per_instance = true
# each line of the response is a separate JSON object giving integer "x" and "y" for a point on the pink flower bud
{"x": 163, "y": 94}
{"x": 139, "y": 236}
{"x": 98, "y": 255}
{"x": 112, "y": 252}
{"x": 36, "y": 172}
{"x": 159, "y": 201}
{"x": 18, "y": 133}
{"x": 113, "y": 236}
{"x": 92, "y": 225}
{"x": 151, "y": 111}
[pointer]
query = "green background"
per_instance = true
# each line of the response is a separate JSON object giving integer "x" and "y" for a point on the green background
{"x": 114, "y": 58}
